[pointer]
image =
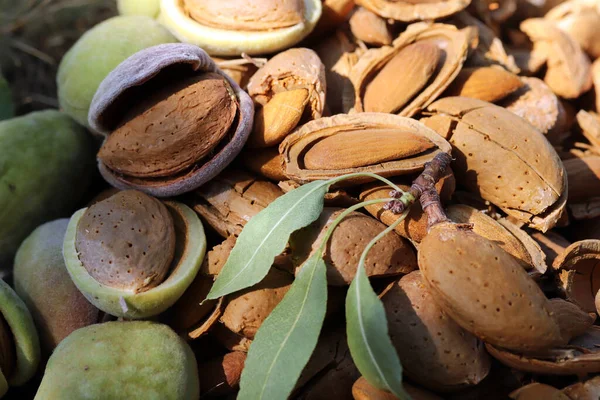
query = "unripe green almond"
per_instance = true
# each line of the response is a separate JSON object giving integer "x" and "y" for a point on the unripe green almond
{"x": 42, "y": 281}
{"x": 46, "y": 163}
{"x": 148, "y": 8}
{"x": 97, "y": 53}
{"x": 121, "y": 360}
{"x": 190, "y": 248}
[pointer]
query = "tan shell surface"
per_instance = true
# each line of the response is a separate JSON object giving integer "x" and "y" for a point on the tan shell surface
{"x": 233, "y": 197}
{"x": 390, "y": 256}
{"x": 589, "y": 123}
{"x": 568, "y": 68}
{"x": 477, "y": 83}
{"x": 571, "y": 319}
{"x": 580, "y": 19}
{"x": 584, "y": 186}
{"x": 127, "y": 241}
{"x": 434, "y": 350}
{"x": 246, "y": 16}
{"x": 535, "y": 391}
{"x": 410, "y": 10}
{"x": 370, "y": 27}
{"x": 171, "y": 130}
{"x": 246, "y": 310}
{"x": 296, "y": 145}
{"x": 504, "y": 159}
{"x": 453, "y": 44}
{"x": 486, "y": 291}
{"x": 297, "y": 68}
{"x": 588, "y": 390}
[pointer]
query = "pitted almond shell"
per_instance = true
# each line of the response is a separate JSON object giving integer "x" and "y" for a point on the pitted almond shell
{"x": 411, "y": 10}
{"x": 370, "y": 27}
{"x": 580, "y": 357}
{"x": 247, "y": 309}
{"x": 231, "y": 199}
{"x": 584, "y": 181}
{"x": 572, "y": 320}
{"x": 415, "y": 88}
{"x": 506, "y": 235}
{"x": 535, "y": 391}
{"x": 145, "y": 69}
{"x": 588, "y": 390}
{"x": 486, "y": 291}
{"x": 337, "y": 145}
{"x": 434, "y": 350}
{"x": 190, "y": 247}
{"x": 568, "y": 68}
{"x": 503, "y": 159}
{"x": 391, "y": 256}
{"x": 127, "y": 241}
{"x": 577, "y": 276}
{"x": 484, "y": 83}
{"x": 233, "y": 42}
{"x": 580, "y": 19}
{"x": 298, "y": 68}
{"x": 538, "y": 104}
{"x": 239, "y": 15}
{"x": 265, "y": 162}
{"x": 414, "y": 227}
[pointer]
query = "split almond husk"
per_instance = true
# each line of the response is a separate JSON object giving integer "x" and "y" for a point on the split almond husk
{"x": 434, "y": 350}
{"x": 477, "y": 84}
{"x": 233, "y": 197}
{"x": 584, "y": 186}
{"x": 411, "y": 10}
{"x": 503, "y": 159}
{"x": 568, "y": 68}
{"x": 391, "y": 256}
{"x": 370, "y": 27}
{"x": 580, "y": 19}
{"x": 384, "y": 144}
{"x": 411, "y": 73}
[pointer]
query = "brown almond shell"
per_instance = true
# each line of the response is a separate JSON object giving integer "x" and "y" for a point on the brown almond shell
{"x": 410, "y": 11}
{"x": 584, "y": 186}
{"x": 125, "y": 82}
{"x": 298, "y": 142}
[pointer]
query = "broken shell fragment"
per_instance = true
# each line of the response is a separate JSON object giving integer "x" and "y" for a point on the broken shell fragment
{"x": 210, "y": 119}
{"x": 234, "y": 27}
{"x": 133, "y": 256}
{"x": 584, "y": 186}
{"x": 411, "y": 10}
{"x": 411, "y": 73}
{"x": 384, "y": 144}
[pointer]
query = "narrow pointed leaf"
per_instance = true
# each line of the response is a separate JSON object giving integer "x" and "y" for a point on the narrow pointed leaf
{"x": 368, "y": 339}
{"x": 266, "y": 235}
{"x": 286, "y": 339}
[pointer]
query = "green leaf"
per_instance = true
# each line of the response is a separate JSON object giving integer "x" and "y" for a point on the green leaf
{"x": 367, "y": 330}
{"x": 6, "y": 105}
{"x": 286, "y": 339}
{"x": 266, "y": 235}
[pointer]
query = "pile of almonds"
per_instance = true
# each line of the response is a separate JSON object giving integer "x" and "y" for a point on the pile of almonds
{"x": 489, "y": 285}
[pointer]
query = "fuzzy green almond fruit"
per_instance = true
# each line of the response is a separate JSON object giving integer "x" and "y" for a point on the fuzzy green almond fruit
{"x": 46, "y": 163}
{"x": 121, "y": 360}
{"x": 133, "y": 256}
{"x": 24, "y": 338}
{"x": 97, "y": 53}
{"x": 148, "y": 8}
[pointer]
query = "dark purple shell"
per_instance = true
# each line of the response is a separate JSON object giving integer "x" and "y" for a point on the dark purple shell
{"x": 117, "y": 92}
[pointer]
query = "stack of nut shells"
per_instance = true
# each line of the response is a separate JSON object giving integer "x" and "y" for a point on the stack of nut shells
{"x": 181, "y": 120}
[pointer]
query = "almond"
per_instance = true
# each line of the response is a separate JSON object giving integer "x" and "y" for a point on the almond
{"x": 370, "y": 27}
{"x": 485, "y": 83}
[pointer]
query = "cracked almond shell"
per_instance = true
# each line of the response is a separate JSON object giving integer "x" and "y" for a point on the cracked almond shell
{"x": 434, "y": 350}
{"x": 226, "y": 40}
{"x": 503, "y": 159}
{"x": 384, "y": 144}
{"x": 410, "y": 10}
{"x": 584, "y": 181}
{"x": 413, "y": 71}
{"x": 143, "y": 71}
{"x": 580, "y": 19}
{"x": 190, "y": 247}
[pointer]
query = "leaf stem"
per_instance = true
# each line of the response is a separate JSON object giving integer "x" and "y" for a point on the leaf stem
{"x": 369, "y": 174}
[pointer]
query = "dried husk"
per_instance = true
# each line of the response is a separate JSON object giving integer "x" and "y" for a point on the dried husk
{"x": 577, "y": 276}
{"x": 417, "y": 90}
{"x": 144, "y": 70}
{"x": 227, "y": 41}
{"x": 414, "y": 227}
{"x": 475, "y": 83}
{"x": 580, "y": 19}
{"x": 301, "y": 141}
{"x": 568, "y": 69}
{"x": 503, "y": 159}
{"x": 370, "y": 28}
{"x": 265, "y": 162}
{"x": 584, "y": 186}
{"x": 410, "y": 11}
{"x": 391, "y": 256}
{"x": 506, "y": 235}
{"x": 231, "y": 199}
{"x": 435, "y": 352}
{"x": 579, "y": 357}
